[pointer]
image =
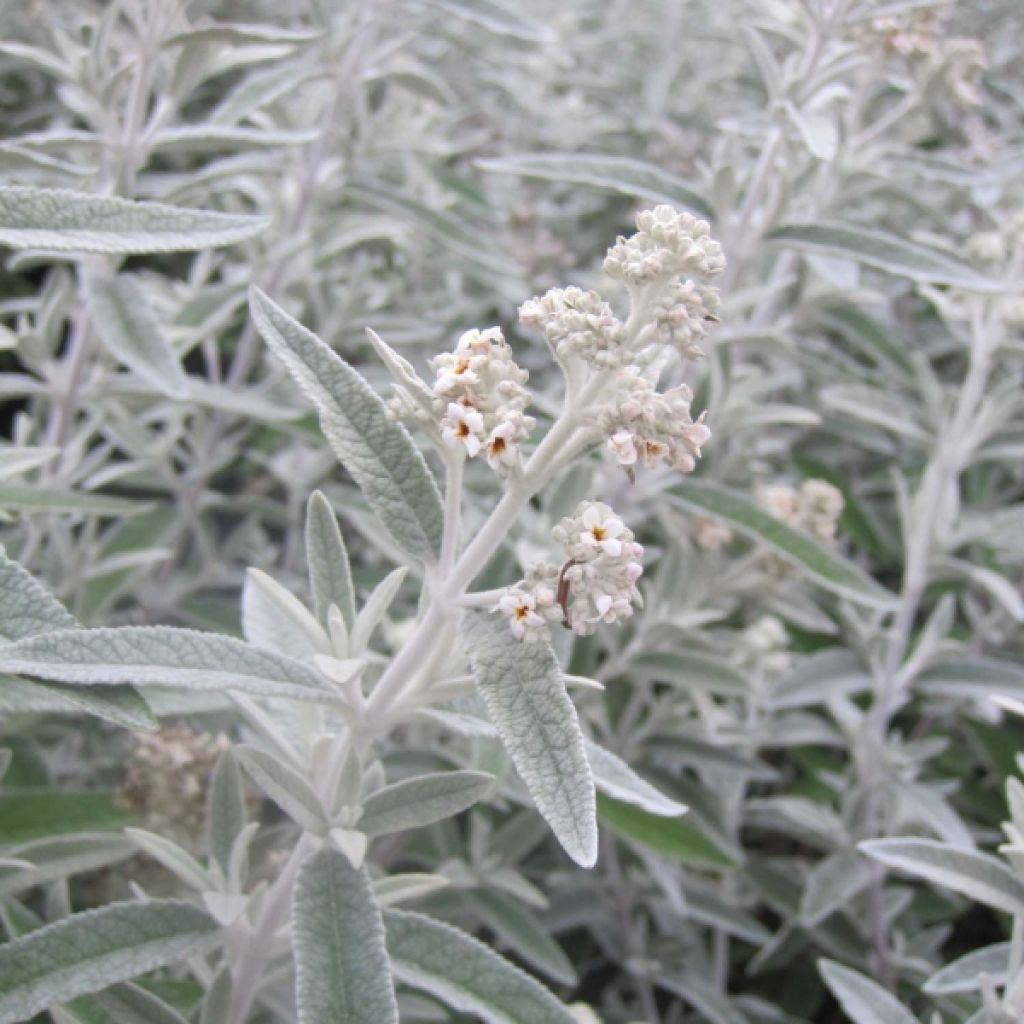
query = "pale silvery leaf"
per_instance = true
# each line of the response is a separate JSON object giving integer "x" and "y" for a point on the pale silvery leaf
{"x": 61, "y": 857}
{"x": 465, "y": 974}
{"x": 15, "y": 459}
{"x": 504, "y": 19}
{"x": 178, "y": 861}
{"x": 423, "y": 800}
{"x": 372, "y": 613}
{"x": 66, "y": 221}
{"x": 89, "y": 951}
{"x": 123, "y": 1004}
{"x": 690, "y": 670}
{"x": 217, "y": 1001}
{"x": 613, "y": 776}
{"x": 883, "y": 251}
{"x": 286, "y": 787}
{"x": 824, "y": 566}
{"x": 26, "y": 608}
{"x": 29, "y": 497}
{"x": 376, "y": 450}
{"x": 864, "y": 1001}
{"x": 521, "y": 931}
{"x": 521, "y": 686}
{"x": 973, "y": 678}
{"x": 342, "y": 975}
{"x": 976, "y": 875}
{"x": 236, "y": 34}
{"x": 962, "y": 975}
{"x": 832, "y": 883}
{"x": 330, "y": 576}
{"x": 619, "y": 173}
{"x": 276, "y": 620}
{"x": 121, "y": 705}
{"x": 704, "y": 996}
{"x": 818, "y": 678}
{"x": 129, "y": 329}
{"x": 411, "y": 886}
{"x": 226, "y": 813}
{"x": 163, "y": 656}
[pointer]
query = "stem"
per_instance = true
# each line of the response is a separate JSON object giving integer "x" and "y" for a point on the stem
{"x": 454, "y": 465}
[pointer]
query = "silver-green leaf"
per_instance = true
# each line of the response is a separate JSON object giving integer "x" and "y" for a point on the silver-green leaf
{"x": 522, "y": 689}
{"x": 67, "y": 221}
{"x": 883, "y": 251}
{"x": 615, "y": 778}
{"x": 864, "y": 1001}
{"x": 342, "y": 975}
{"x": 161, "y": 656}
{"x": 376, "y": 450}
{"x": 978, "y": 876}
{"x": 330, "y": 576}
{"x": 89, "y": 951}
{"x": 825, "y": 567}
{"x": 423, "y": 800}
{"x": 619, "y": 173}
{"x": 285, "y": 786}
{"x": 465, "y": 974}
{"x": 131, "y": 333}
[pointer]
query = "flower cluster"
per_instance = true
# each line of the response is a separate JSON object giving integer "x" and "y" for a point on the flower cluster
{"x": 576, "y": 323}
{"x": 483, "y": 397}
{"x": 596, "y": 584}
{"x": 644, "y": 425}
{"x": 815, "y": 507}
{"x": 681, "y": 317}
{"x": 667, "y": 244}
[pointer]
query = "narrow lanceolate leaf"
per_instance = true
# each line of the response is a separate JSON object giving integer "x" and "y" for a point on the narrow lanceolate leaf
{"x": 619, "y": 173}
{"x": 413, "y": 803}
{"x": 501, "y": 18}
{"x": 161, "y": 656}
{"x": 973, "y": 678}
{"x": 26, "y": 608}
{"x": 66, "y": 221}
{"x": 124, "y": 1004}
{"x": 681, "y": 840}
{"x": 330, "y": 576}
{"x": 864, "y": 1001}
{"x": 465, "y": 974}
{"x": 342, "y": 975}
{"x": 964, "y": 973}
{"x": 689, "y": 670}
{"x": 376, "y": 450}
{"x": 977, "y": 876}
{"x": 30, "y": 498}
{"x": 883, "y": 251}
{"x": 285, "y": 786}
{"x": 824, "y": 566}
{"x": 522, "y": 689}
{"x": 226, "y": 813}
{"x": 832, "y": 884}
{"x": 131, "y": 333}
{"x": 121, "y": 705}
{"x": 61, "y": 857}
{"x": 615, "y": 778}
{"x": 87, "y": 952}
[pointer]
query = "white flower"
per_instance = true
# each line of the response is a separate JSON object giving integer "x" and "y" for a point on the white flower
{"x": 602, "y": 529}
{"x": 623, "y": 447}
{"x": 521, "y": 609}
{"x": 482, "y": 388}
{"x": 463, "y": 425}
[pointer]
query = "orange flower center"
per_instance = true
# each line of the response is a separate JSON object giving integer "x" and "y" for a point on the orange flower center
{"x": 599, "y": 532}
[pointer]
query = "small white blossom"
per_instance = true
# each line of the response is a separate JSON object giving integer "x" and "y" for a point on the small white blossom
{"x": 642, "y": 424}
{"x": 576, "y": 323}
{"x": 521, "y": 608}
{"x": 463, "y": 425}
{"x": 815, "y": 507}
{"x": 667, "y": 244}
{"x": 482, "y": 388}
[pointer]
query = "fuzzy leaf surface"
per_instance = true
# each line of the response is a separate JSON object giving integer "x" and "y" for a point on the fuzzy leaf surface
{"x": 160, "y": 656}
{"x": 341, "y": 964}
{"x": 65, "y": 221}
{"x": 522, "y": 689}
{"x": 376, "y": 450}
{"x": 89, "y": 951}
{"x": 825, "y": 567}
{"x": 420, "y": 801}
{"x": 464, "y": 974}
